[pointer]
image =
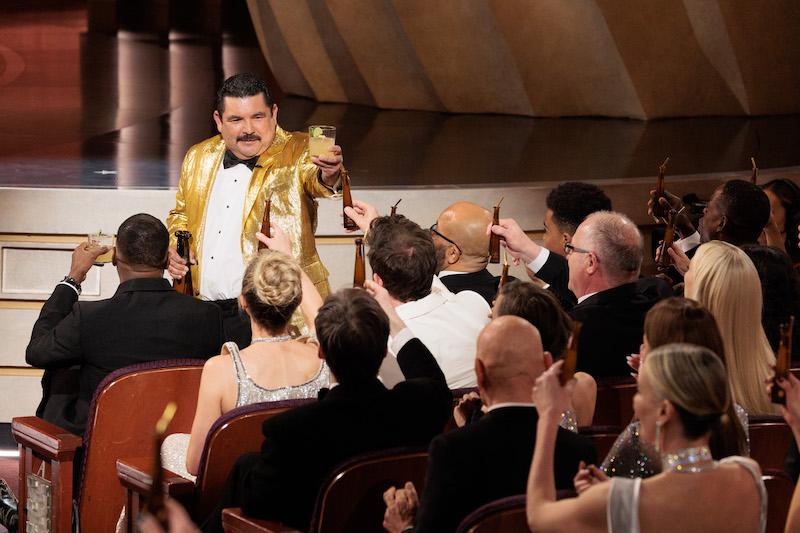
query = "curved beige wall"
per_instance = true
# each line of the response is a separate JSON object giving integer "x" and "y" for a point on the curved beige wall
{"x": 659, "y": 58}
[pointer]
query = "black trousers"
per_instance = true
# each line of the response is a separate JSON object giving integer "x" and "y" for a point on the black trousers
{"x": 235, "y": 322}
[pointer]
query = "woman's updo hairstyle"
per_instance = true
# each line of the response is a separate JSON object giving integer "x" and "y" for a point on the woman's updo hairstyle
{"x": 272, "y": 288}
{"x": 693, "y": 379}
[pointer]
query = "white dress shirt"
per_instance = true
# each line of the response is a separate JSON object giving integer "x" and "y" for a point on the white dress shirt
{"x": 448, "y": 325}
{"x": 223, "y": 264}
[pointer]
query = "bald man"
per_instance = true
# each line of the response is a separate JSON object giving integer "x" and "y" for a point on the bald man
{"x": 487, "y": 460}
{"x": 604, "y": 258}
{"x": 462, "y": 247}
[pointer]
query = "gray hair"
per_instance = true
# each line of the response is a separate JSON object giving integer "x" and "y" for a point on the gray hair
{"x": 618, "y": 244}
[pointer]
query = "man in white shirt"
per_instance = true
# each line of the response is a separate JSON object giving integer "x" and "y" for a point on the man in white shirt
{"x": 403, "y": 261}
{"x": 224, "y": 187}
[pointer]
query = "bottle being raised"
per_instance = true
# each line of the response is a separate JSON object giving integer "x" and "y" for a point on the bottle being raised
{"x": 184, "y": 285}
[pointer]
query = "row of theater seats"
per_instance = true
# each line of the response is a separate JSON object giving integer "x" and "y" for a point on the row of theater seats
{"x": 115, "y": 468}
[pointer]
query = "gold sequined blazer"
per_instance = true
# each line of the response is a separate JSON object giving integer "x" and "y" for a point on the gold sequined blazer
{"x": 284, "y": 171}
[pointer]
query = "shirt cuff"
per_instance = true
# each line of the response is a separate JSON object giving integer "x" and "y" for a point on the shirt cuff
{"x": 540, "y": 260}
{"x": 689, "y": 242}
{"x": 337, "y": 187}
{"x": 70, "y": 285}
{"x": 397, "y": 342}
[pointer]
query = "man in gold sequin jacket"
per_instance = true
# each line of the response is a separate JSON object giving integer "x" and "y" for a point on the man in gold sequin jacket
{"x": 226, "y": 180}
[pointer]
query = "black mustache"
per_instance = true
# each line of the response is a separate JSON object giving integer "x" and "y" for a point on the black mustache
{"x": 248, "y": 137}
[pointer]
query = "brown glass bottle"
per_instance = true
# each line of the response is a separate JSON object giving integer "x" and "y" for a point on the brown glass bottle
{"x": 494, "y": 239}
{"x": 265, "y": 223}
{"x": 347, "y": 201}
{"x": 359, "y": 272}
{"x": 184, "y": 285}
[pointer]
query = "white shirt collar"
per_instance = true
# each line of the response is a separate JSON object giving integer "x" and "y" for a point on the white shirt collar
{"x": 585, "y": 296}
{"x": 444, "y": 273}
{"x": 510, "y": 404}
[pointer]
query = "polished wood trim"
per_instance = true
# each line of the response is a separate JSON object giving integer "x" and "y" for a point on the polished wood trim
{"x": 44, "y": 438}
{"x": 21, "y": 304}
{"x": 20, "y": 371}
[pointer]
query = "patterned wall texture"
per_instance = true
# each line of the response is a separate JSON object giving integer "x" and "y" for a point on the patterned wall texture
{"x": 649, "y": 59}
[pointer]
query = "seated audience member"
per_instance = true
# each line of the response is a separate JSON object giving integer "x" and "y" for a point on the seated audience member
{"x": 567, "y": 206}
{"x": 488, "y": 459}
{"x": 723, "y": 279}
{"x": 791, "y": 413}
{"x": 403, "y": 261}
{"x": 273, "y": 367}
{"x": 781, "y": 231}
{"x": 604, "y": 258}
{"x": 682, "y": 395}
{"x": 779, "y": 290}
{"x": 145, "y": 320}
{"x": 669, "y": 321}
{"x": 462, "y": 245}
{"x": 540, "y": 308}
{"x": 737, "y": 213}
{"x": 302, "y": 446}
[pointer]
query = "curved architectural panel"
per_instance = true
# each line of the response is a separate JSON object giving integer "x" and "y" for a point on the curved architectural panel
{"x": 545, "y": 58}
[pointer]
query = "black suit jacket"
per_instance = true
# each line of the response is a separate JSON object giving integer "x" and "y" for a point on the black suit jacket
{"x": 487, "y": 460}
{"x": 145, "y": 320}
{"x": 613, "y": 324}
{"x": 302, "y": 446}
{"x": 555, "y": 272}
{"x": 482, "y": 282}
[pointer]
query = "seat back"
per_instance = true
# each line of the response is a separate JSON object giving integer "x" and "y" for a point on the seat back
{"x": 352, "y": 497}
{"x": 506, "y": 515}
{"x": 770, "y": 437}
{"x": 236, "y": 432}
{"x": 779, "y": 496}
{"x": 121, "y": 421}
{"x": 614, "y": 405}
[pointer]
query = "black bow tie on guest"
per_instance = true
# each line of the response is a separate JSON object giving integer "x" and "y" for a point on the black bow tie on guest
{"x": 231, "y": 160}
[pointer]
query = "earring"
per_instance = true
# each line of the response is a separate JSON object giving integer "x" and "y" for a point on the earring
{"x": 658, "y": 435}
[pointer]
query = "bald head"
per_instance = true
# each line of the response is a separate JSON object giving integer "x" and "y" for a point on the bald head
{"x": 465, "y": 224}
{"x": 617, "y": 243}
{"x": 510, "y": 350}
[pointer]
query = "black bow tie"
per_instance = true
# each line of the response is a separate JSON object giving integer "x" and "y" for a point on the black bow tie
{"x": 231, "y": 160}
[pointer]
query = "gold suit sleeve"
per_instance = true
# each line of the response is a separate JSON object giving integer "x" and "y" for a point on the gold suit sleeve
{"x": 177, "y": 218}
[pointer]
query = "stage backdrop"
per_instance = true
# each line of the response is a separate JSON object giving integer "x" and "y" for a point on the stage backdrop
{"x": 660, "y": 58}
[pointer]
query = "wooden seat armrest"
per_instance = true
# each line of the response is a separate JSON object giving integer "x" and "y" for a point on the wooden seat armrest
{"x": 46, "y": 439}
{"x": 135, "y": 474}
{"x": 234, "y": 521}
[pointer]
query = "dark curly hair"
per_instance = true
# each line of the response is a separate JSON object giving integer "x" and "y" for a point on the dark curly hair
{"x": 573, "y": 201}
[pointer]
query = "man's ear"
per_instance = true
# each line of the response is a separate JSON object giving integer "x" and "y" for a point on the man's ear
{"x": 548, "y": 359}
{"x": 723, "y": 221}
{"x": 452, "y": 256}
{"x": 566, "y": 237}
{"x": 592, "y": 265}
{"x": 218, "y": 120}
{"x": 377, "y": 279}
{"x": 114, "y": 257}
{"x": 275, "y": 111}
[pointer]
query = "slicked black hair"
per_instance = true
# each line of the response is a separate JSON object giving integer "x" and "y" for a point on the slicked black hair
{"x": 573, "y": 201}
{"x": 143, "y": 240}
{"x": 241, "y": 86}
{"x": 352, "y": 330}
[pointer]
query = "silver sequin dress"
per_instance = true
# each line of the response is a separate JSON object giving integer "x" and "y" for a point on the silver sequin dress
{"x": 173, "y": 451}
{"x": 630, "y": 457}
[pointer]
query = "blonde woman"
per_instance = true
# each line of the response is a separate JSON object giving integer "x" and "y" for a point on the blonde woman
{"x": 682, "y": 395}
{"x": 723, "y": 279}
{"x": 274, "y": 367}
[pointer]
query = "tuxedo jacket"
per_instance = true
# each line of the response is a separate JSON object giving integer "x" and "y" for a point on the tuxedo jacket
{"x": 145, "y": 320}
{"x": 482, "y": 282}
{"x": 488, "y": 460}
{"x": 613, "y": 324}
{"x": 302, "y": 446}
{"x": 555, "y": 272}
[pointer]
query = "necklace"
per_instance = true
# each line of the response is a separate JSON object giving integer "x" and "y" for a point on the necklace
{"x": 688, "y": 461}
{"x": 279, "y": 338}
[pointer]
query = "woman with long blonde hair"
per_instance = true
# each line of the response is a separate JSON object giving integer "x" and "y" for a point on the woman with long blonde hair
{"x": 723, "y": 279}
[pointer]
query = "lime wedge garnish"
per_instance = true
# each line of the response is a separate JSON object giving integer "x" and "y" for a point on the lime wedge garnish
{"x": 316, "y": 132}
